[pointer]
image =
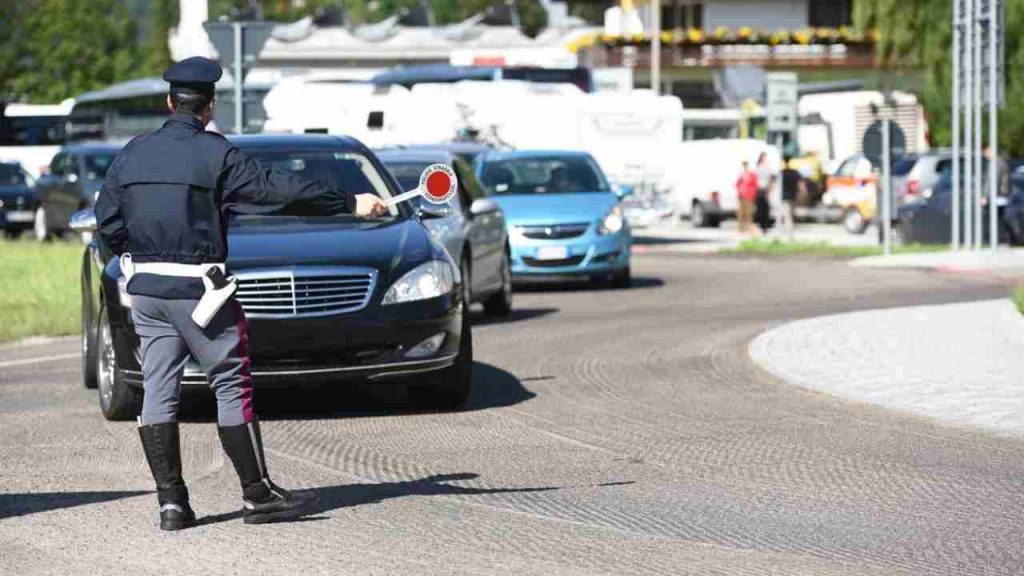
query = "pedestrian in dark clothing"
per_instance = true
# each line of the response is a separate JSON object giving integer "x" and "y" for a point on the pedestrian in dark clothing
{"x": 163, "y": 209}
{"x": 765, "y": 182}
{"x": 793, "y": 186}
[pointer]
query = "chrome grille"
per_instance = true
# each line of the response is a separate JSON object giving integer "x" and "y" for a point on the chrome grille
{"x": 554, "y": 231}
{"x": 304, "y": 292}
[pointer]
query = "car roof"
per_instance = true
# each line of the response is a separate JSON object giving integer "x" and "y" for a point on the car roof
{"x": 416, "y": 155}
{"x": 297, "y": 141}
{"x": 86, "y": 147}
{"x": 506, "y": 154}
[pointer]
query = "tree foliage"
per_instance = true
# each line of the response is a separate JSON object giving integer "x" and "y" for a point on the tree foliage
{"x": 53, "y": 49}
{"x": 919, "y": 33}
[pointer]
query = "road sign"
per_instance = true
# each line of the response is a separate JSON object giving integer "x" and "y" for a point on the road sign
{"x": 872, "y": 144}
{"x": 238, "y": 45}
{"x": 781, "y": 101}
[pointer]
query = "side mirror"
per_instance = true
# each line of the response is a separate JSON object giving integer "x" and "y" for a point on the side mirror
{"x": 482, "y": 206}
{"x": 83, "y": 221}
{"x": 428, "y": 211}
{"x": 623, "y": 190}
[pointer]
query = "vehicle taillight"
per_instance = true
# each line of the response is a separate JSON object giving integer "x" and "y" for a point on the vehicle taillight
{"x": 714, "y": 199}
{"x": 913, "y": 188}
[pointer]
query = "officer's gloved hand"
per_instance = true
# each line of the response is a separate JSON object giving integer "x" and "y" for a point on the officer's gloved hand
{"x": 370, "y": 206}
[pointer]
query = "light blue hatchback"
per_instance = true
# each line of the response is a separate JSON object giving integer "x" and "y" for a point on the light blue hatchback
{"x": 563, "y": 217}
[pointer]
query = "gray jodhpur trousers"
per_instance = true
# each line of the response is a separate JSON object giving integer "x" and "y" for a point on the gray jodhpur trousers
{"x": 169, "y": 335}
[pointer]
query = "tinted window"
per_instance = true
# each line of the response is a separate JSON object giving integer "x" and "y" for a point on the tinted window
{"x": 31, "y": 130}
{"x": 348, "y": 171}
{"x": 11, "y": 175}
{"x": 407, "y": 173}
{"x": 96, "y": 165}
{"x": 542, "y": 175}
{"x": 902, "y": 167}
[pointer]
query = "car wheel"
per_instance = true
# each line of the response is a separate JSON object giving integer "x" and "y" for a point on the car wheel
{"x": 448, "y": 389}
{"x": 40, "y": 227}
{"x": 13, "y": 233}
{"x": 623, "y": 278}
{"x": 500, "y": 303}
{"x": 854, "y": 221}
{"x": 698, "y": 215}
{"x": 89, "y": 360}
{"x": 118, "y": 401}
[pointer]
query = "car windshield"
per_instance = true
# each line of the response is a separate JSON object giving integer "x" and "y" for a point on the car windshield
{"x": 349, "y": 171}
{"x": 542, "y": 175}
{"x": 407, "y": 173}
{"x": 11, "y": 175}
{"x": 96, "y": 165}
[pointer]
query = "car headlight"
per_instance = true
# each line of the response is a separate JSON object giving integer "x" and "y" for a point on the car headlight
{"x": 428, "y": 280}
{"x": 122, "y": 292}
{"x": 612, "y": 221}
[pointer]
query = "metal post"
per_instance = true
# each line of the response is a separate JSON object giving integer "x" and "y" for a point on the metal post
{"x": 237, "y": 78}
{"x": 978, "y": 100}
{"x": 968, "y": 215}
{"x": 886, "y": 186}
{"x": 656, "y": 46}
{"x": 955, "y": 213}
{"x": 993, "y": 126}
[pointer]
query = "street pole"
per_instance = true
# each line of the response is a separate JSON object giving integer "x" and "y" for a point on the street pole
{"x": 993, "y": 125}
{"x": 955, "y": 214}
{"x": 886, "y": 186}
{"x": 656, "y": 46}
{"x": 979, "y": 102}
{"x": 237, "y": 73}
{"x": 968, "y": 215}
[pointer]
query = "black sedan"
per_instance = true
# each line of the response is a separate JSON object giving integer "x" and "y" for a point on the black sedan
{"x": 18, "y": 200}
{"x": 70, "y": 184}
{"x": 928, "y": 220}
{"x": 328, "y": 298}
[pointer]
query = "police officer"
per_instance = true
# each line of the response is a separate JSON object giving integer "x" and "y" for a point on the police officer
{"x": 163, "y": 209}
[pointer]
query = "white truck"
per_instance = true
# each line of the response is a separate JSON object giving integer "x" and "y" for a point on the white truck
{"x": 31, "y": 134}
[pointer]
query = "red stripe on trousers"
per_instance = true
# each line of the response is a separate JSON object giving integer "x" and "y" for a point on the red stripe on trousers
{"x": 242, "y": 350}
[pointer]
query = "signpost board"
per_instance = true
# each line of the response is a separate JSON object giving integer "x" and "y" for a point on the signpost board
{"x": 781, "y": 102}
{"x": 238, "y": 45}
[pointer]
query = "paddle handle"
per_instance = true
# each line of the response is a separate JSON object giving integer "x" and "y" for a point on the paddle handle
{"x": 402, "y": 197}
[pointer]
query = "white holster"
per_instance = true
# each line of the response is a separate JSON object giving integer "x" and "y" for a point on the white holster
{"x": 213, "y": 299}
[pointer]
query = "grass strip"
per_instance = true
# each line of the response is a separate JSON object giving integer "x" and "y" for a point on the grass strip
{"x": 775, "y": 247}
{"x": 39, "y": 288}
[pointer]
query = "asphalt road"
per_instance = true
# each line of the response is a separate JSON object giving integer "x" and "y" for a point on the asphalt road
{"x": 611, "y": 432}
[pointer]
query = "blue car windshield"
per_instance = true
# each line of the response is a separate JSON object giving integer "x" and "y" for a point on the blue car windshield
{"x": 542, "y": 175}
{"x": 11, "y": 175}
{"x": 343, "y": 170}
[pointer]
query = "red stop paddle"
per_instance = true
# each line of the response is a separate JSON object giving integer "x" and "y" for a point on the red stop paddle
{"x": 437, "y": 186}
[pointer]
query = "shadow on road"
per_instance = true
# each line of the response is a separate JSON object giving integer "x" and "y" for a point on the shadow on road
{"x": 329, "y": 498}
{"x": 30, "y": 503}
{"x": 571, "y": 284}
{"x": 516, "y": 315}
{"x": 492, "y": 388}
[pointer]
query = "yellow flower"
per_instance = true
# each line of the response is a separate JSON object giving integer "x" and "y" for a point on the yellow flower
{"x": 802, "y": 37}
{"x": 608, "y": 38}
{"x": 721, "y": 32}
{"x": 744, "y": 32}
{"x": 695, "y": 35}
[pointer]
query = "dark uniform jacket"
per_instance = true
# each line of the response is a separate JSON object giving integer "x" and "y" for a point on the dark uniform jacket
{"x": 168, "y": 195}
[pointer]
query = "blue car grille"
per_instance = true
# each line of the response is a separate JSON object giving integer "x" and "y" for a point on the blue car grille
{"x": 305, "y": 292}
{"x": 554, "y": 231}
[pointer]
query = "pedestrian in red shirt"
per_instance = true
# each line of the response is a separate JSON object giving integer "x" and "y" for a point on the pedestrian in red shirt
{"x": 746, "y": 189}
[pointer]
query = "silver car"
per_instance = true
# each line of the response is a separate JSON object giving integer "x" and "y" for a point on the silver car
{"x": 471, "y": 227}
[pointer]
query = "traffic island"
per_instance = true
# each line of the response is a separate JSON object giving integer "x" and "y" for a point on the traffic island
{"x": 959, "y": 363}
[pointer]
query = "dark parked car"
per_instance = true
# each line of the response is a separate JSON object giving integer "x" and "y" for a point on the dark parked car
{"x": 1013, "y": 214}
{"x": 18, "y": 200}
{"x": 929, "y": 220}
{"x": 472, "y": 228}
{"x": 328, "y": 298}
{"x": 75, "y": 176}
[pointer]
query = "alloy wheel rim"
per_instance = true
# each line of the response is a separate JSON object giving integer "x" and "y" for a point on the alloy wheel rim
{"x": 105, "y": 365}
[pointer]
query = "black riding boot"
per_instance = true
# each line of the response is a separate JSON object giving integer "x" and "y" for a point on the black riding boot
{"x": 263, "y": 500}
{"x": 163, "y": 452}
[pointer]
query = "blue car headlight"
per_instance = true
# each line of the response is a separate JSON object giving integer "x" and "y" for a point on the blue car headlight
{"x": 612, "y": 221}
{"x": 428, "y": 280}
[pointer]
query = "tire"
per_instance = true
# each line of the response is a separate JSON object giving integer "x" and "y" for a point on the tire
{"x": 39, "y": 226}
{"x": 13, "y": 233}
{"x": 699, "y": 216}
{"x": 622, "y": 278}
{"x": 854, "y": 222}
{"x": 118, "y": 401}
{"x": 89, "y": 360}
{"x": 500, "y": 303}
{"x": 448, "y": 389}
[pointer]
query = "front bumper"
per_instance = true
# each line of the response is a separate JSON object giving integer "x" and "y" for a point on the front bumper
{"x": 590, "y": 253}
{"x": 372, "y": 344}
{"x": 17, "y": 218}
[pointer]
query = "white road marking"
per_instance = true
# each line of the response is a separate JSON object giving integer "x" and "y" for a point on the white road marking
{"x": 38, "y": 360}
